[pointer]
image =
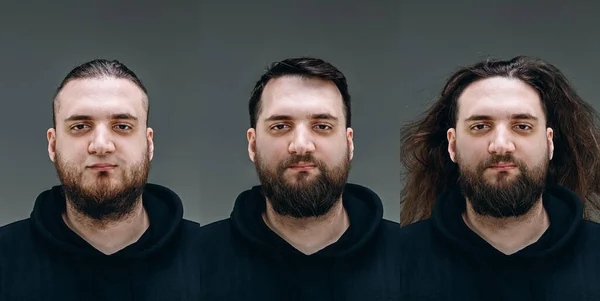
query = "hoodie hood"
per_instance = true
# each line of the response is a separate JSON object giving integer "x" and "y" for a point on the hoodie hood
{"x": 563, "y": 207}
{"x": 363, "y": 206}
{"x": 163, "y": 206}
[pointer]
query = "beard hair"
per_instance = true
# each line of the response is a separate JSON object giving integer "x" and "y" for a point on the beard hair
{"x": 305, "y": 197}
{"x": 101, "y": 200}
{"x": 506, "y": 197}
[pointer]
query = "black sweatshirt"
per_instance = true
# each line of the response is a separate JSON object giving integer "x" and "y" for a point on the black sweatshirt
{"x": 242, "y": 259}
{"x": 42, "y": 259}
{"x": 444, "y": 260}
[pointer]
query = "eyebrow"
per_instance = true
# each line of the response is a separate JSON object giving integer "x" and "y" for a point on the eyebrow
{"x": 120, "y": 116}
{"x": 323, "y": 116}
{"x": 521, "y": 116}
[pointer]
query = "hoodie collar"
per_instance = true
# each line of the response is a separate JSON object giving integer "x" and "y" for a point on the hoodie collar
{"x": 363, "y": 206}
{"x": 164, "y": 208}
{"x": 564, "y": 210}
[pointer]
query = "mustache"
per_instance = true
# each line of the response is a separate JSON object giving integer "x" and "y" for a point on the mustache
{"x": 300, "y": 158}
{"x": 508, "y": 158}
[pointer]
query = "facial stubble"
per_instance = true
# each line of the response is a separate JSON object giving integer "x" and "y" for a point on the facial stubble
{"x": 100, "y": 199}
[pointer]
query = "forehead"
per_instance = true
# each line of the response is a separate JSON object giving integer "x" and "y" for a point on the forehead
{"x": 499, "y": 97}
{"x": 298, "y": 96}
{"x": 100, "y": 95}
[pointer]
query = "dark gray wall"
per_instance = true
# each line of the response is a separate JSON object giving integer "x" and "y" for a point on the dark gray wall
{"x": 200, "y": 60}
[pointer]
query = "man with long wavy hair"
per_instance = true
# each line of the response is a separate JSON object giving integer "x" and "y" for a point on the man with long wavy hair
{"x": 501, "y": 182}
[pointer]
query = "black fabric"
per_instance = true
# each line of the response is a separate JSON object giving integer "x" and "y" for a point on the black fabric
{"x": 243, "y": 259}
{"x": 443, "y": 259}
{"x": 41, "y": 258}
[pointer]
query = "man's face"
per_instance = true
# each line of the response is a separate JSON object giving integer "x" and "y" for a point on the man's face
{"x": 101, "y": 147}
{"x": 301, "y": 147}
{"x": 502, "y": 146}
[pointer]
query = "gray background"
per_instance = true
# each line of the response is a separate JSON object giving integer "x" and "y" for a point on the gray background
{"x": 200, "y": 59}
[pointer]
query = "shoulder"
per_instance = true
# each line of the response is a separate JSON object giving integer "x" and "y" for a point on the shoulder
{"x": 219, "y": 242}
{"x": 587, "y": 239}
{"x": 14, "y": 231}
{"x": 215, "y": 230}
{"x": 386, "y": 237}
{"x": 416, "y": 235}
{"x": 419, "y": 228}
{"x": 190, "y": 225}
{"x": 188, "y": 228}
{"x": 590, "y": 232}
{"x": 16, "y": 239}
{"x": 389, "y": 228}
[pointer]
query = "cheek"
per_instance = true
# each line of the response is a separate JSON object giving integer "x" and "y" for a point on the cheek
{"x": 534, "y": 154}
{"x": 130, "y": 145}
{"x": 472, "y": 148}
{"x": 333, "y": 151}
{"x": 72, "y": 151}
{"x": 271, "y": 149}
{"x": 131, "y": 148}
{"x": 469, "y": 152}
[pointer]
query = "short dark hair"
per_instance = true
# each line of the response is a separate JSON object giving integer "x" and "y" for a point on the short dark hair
{"x": 305, "y": 67}
{"x": 576, "y": 160}
{"x": 100, "y": 68}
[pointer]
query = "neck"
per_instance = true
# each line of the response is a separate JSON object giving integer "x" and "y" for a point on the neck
{"x": 111, "y": 236}
{"x": 511, "y": 234}
{"x": 309, "y": 235}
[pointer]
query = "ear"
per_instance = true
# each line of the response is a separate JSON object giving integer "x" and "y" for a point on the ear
{"x": 451, "y": 136}
{"x": 350, "y": 139}
{"x": 51, "y": 136}
{"x": 150, "y": 138}
{"x": 251, "y": 135}
{"x": 549, "y": 138}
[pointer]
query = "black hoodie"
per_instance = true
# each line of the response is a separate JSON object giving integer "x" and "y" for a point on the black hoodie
{"x": 242, "y": 259}
{"x": 445, "y": 260}
{"x": 42, "y": 259}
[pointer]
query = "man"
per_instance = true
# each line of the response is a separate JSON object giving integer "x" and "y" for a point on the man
{"x": 506, "y": 160}
{"x": 303, "y": 234}
{"x": 104, "y": 234}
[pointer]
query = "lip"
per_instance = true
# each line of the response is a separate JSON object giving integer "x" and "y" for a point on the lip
{"x": 503, "y": 166}
{"x": 102, "y": 166}
{"x": 302, "y": 166}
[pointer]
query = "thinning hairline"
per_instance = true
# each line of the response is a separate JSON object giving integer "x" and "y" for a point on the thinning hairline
{"x": 302, "y": 76}
{"x": 56, "y": 100}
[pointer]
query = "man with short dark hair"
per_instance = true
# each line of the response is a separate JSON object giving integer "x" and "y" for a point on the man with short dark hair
{"x": 104, "y": 234}
{"x": 304, "y": 233}
{"x": 499, "y": 173}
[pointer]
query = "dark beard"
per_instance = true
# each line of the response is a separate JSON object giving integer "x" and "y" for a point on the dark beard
{"x": 304, "y": 198}
{"x": 505, "y": 198}
{"x": 100, "y": 200}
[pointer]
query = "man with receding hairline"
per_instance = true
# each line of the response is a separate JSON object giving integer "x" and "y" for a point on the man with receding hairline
{"x": 304, "y": 233}
{"x": 104, "y": 233}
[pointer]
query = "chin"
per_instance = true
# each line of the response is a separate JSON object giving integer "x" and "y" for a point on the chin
{"x": 106, "y": 180}
{"x": 301, "y": 180}
{"x": 502, "y": 180}
{"x": 300, "y": 175}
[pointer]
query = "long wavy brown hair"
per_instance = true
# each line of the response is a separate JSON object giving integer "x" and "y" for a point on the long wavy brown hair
{"x": 428, "y": 169}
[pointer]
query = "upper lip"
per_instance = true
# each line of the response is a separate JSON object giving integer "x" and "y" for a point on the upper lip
{"x": 102, "y": 165}
{"x": 302, "y": 164}
{"x": 503, "y": 164}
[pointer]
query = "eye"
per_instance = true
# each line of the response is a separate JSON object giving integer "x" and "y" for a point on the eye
{"x": 123, "y": 127}
{"x": 279, "y": 127}
{"x": 323, "y": 127}
{"x": 79, "y": 127}
{"x": 523, "y": 127}
{"x": 479, "y": 127}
